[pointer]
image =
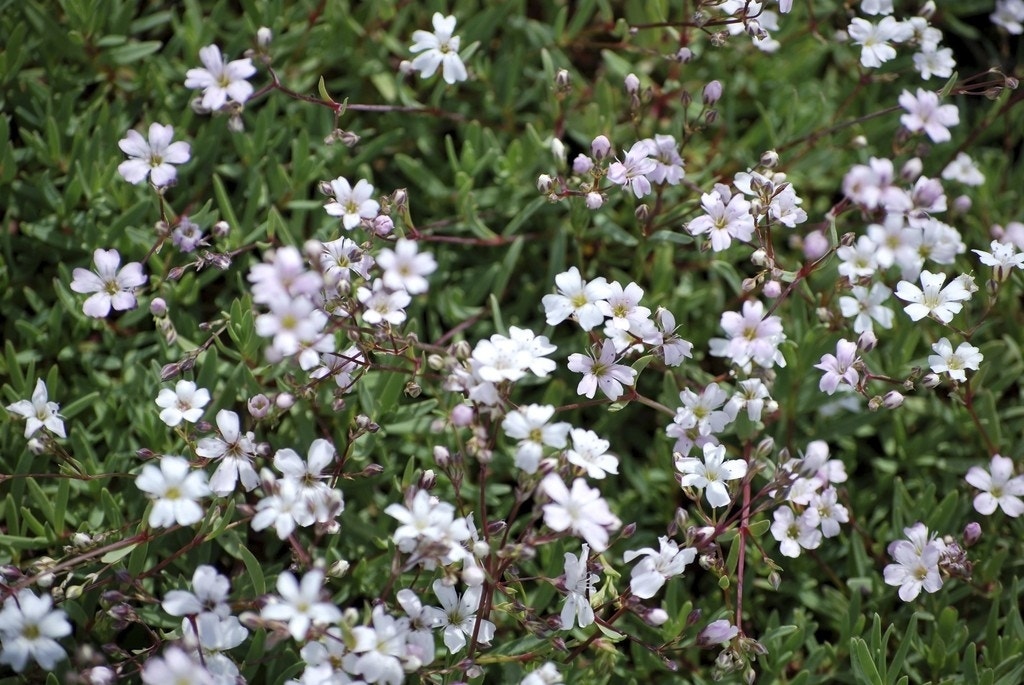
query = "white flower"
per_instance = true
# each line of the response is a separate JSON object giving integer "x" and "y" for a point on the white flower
{"x": 916, "y": 567}
{"x": 830, "y": 512}
{"x": 153, "y": 158}
{"x": 39, "y": 412}
{"x": 717, "y": 633}
{"x": 459, "y": 619}
{"x": 210, "y": 594}
{"x": 753, "y": 337}
{"x": 220, "y": 80}
{"x": 668, "y": 164}
{"x": 353, "y": 205}
{"x": 601, "y": 372}
{"x": 795, "y": 533}
{"x": 530, "y": 425}
{"x": 545, "y": 675}
{"x": 576, "y": 297}
{"x": 30, "y": 628}
{"x": 1003, "y": 259}
{"x": 935, "y": 61}
{"x": 839, "y": 367}
{"x": 236, "y": 452}
{"x": 429, "y": 530}
{"x": 378, "y": 652}
{"x": 283, "y": 507}
{"x": 711, "y": 474}
{"x": 383, "y": 305}
{"x": 925, "y": 114}
{"x": 874, "y": 39}
{"x": 726, "y": 217}
{"x": 581, "y": 510}
{"x": 590, "y": 453}
{"x": 439, "y": 49}
{"x": 933, "y": 300}
{"x": 184, "y": 403}
{"x": 175, "y": 489}
{"x": 866, "y": 305}
{"x": 177, "y": 667}
{"x": 579, "y": 584}
{"x": 633, "y": 171}
{"x": 110, "y": 287}
{"x": 999, "y": 487}
{"x": 405, "y": 268}
{"x": 966, "y": 356}
{"x": 300, "y": 604}
{"x": 1009, "y": 15}
{"x": 657, "y": 566}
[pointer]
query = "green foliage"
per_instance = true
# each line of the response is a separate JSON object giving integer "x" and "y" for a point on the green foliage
{"x": 456, "y": 167}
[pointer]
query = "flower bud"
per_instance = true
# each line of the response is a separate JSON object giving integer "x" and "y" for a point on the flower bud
{"x": 221, "y": 229}
{"x": 427, "y": 480}
{"x": 931, "y": 380}
{"x": 892, "y": 399}
{"x": 632, "y": 84}
{"x": 642, "y": 213}
{"x": 972, "y": 533}
{"x": 594, "y": 200}
{"x": 867, "y": 341}
{"x": 562, "y": 79}
{"x": 442, "y": 456}
{"x": 912, "y": 168}
{"x": 284, "y": 400}
{"x": 558, "y": 152}
{"x": 712, "y": 93}
{"x": 600, "y": 148}
{"x": 582, "y": 164}
{"x": 462, "y": 415}
{"x": 684, "y": 55}
{"x": 473, "y": 576}
{"x": 36, "y": 446}
{"x": 383, "y": 225}
{"x": 338, "y": 569}
{"x": 412, "y": 389}
{"x": 544, "y": 183}
{"x": 772, "y": 289}
{"x": 927, "y": 9}
{"x": 716, "y": 633}
{"x": 748, "y": 285}
{"x": 759, "y": 257}
{"x": 400, "y": 198}
{"x": 259, "y": 406}
{"x": 859, "y": 142}
{"x": 875, "y": 403}
{"x": 264, "y": 36}
{"x": 769, "y": 159}
{"x": 657, "y": 617}
{"x": 962, "y": 204}
{"x": 158, "y": 307}
{"x": 816, "y": 246}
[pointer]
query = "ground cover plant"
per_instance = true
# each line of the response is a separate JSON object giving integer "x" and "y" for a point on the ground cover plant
{"x": 582, "y": 342}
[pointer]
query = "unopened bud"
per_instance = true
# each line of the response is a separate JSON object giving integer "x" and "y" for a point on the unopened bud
{"x": 412, "y": 389}
{"x": 875, "y": 403}
{"x": 772, "y": 289}
{"x": 642, "y": 213}
{"x": 848, "y": 239}
{"x": 284, "y": 400}
{"x": 427, "y": 481}
{"x": 972, "y": 533}
{"x": 473, "y": 576}
{"x": 749, "y": 285}
{"x": 400, "y": 198}
{"x": 867, "y": 341}
{"x": 657, "y": 617}
{"x": 259, "y": 406}
{"x": 632, "y": 84}
{"x": 684, "y": 55}
{"x": 158, "y": 307}
{"x": 264, "y": 36}
{"x": 912, "y": 169}
{"x": 816, "y": 245}
{"x": 769, "y": 159}
{"x": 544, "y": 183}
{"x": 442, "y": 456}
{"x": 325, "y": 188}
{"x": 931, "y": 380}
{"x": 962, "y": 204}
{"x": 594, "y": 200}
{"x": 338, "y": 568}
{"x": 563, "y": 80}
{"x": 600, "y": 148}
{"x": 36, "y": 446}
{"x": 169, "y": 371}
{"x": 628, "y": 531}
{"x": 221, "y": 229}
{"x": 582, "y": 164}
{"x": 710, "y": 116}
{"x": 892, "y": 399}
{"x": 558, "y": 152}
{"x": 462, "y": 415}
{"x": 759, "y": 257}
{"x": 712, "y": 93}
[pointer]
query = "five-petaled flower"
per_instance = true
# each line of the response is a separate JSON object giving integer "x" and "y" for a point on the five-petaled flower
{"x": 711, "y": 474}
{"x": 931, "y": 298}
{"x": 30, "y": 628}
{"x": 221, "y": 80}
{"x": 175, "y": 489}
{"x": 439, "y": 49}
{"x": 39, "y": 412}
{"x": 154, "y": 158}
{"x": 1000, "y": 488}
{"x": 111, "y": 287}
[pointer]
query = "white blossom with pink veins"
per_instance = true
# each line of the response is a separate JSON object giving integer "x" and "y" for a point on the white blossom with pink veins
{"x": 581, "y": 510}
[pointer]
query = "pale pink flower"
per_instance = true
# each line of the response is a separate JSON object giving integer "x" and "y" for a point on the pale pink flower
{"x": 1000, "y": 488}
{"x": 154, "y": 158}
{"x": 111, "y": 287}
{"x": 925, "y": 114}
{"x": 220, "y": 79}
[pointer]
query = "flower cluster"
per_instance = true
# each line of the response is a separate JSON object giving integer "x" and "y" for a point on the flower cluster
{"x": 812, "y": 509}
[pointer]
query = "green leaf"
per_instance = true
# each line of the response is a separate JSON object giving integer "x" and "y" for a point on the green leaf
{"x": 864, "y": 669}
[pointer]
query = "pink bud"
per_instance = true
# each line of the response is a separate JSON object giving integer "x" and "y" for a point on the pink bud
{"x": 712, "y": 93}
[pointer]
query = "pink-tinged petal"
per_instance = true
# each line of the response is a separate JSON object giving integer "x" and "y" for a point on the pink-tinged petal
{"x": 211, "y": 58}
{"x": 1011, "y": 506}
{"x": 131, "y": 276}
{"x": 240, "y": 91}
{"x": 985, "y": 503}
{"x": 214, "y": 98}
{"x": 178, "y": 153}
{"x": 199, "y": 78}
{"x": 163, "y": 175}
{"x": 123, "y": 301}
{"x": 1002, "y": 468}
{"x": 134, "y": 145}
{"x": 133, "y": 170}
{"x": 86, "y": 281}
{"x": 97, "y": 306}
{"x": 106, "y": 262}
{"x": 588, "y": 386}
{"x": 979, "y": 478}
{"x": 160, "y": 136}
